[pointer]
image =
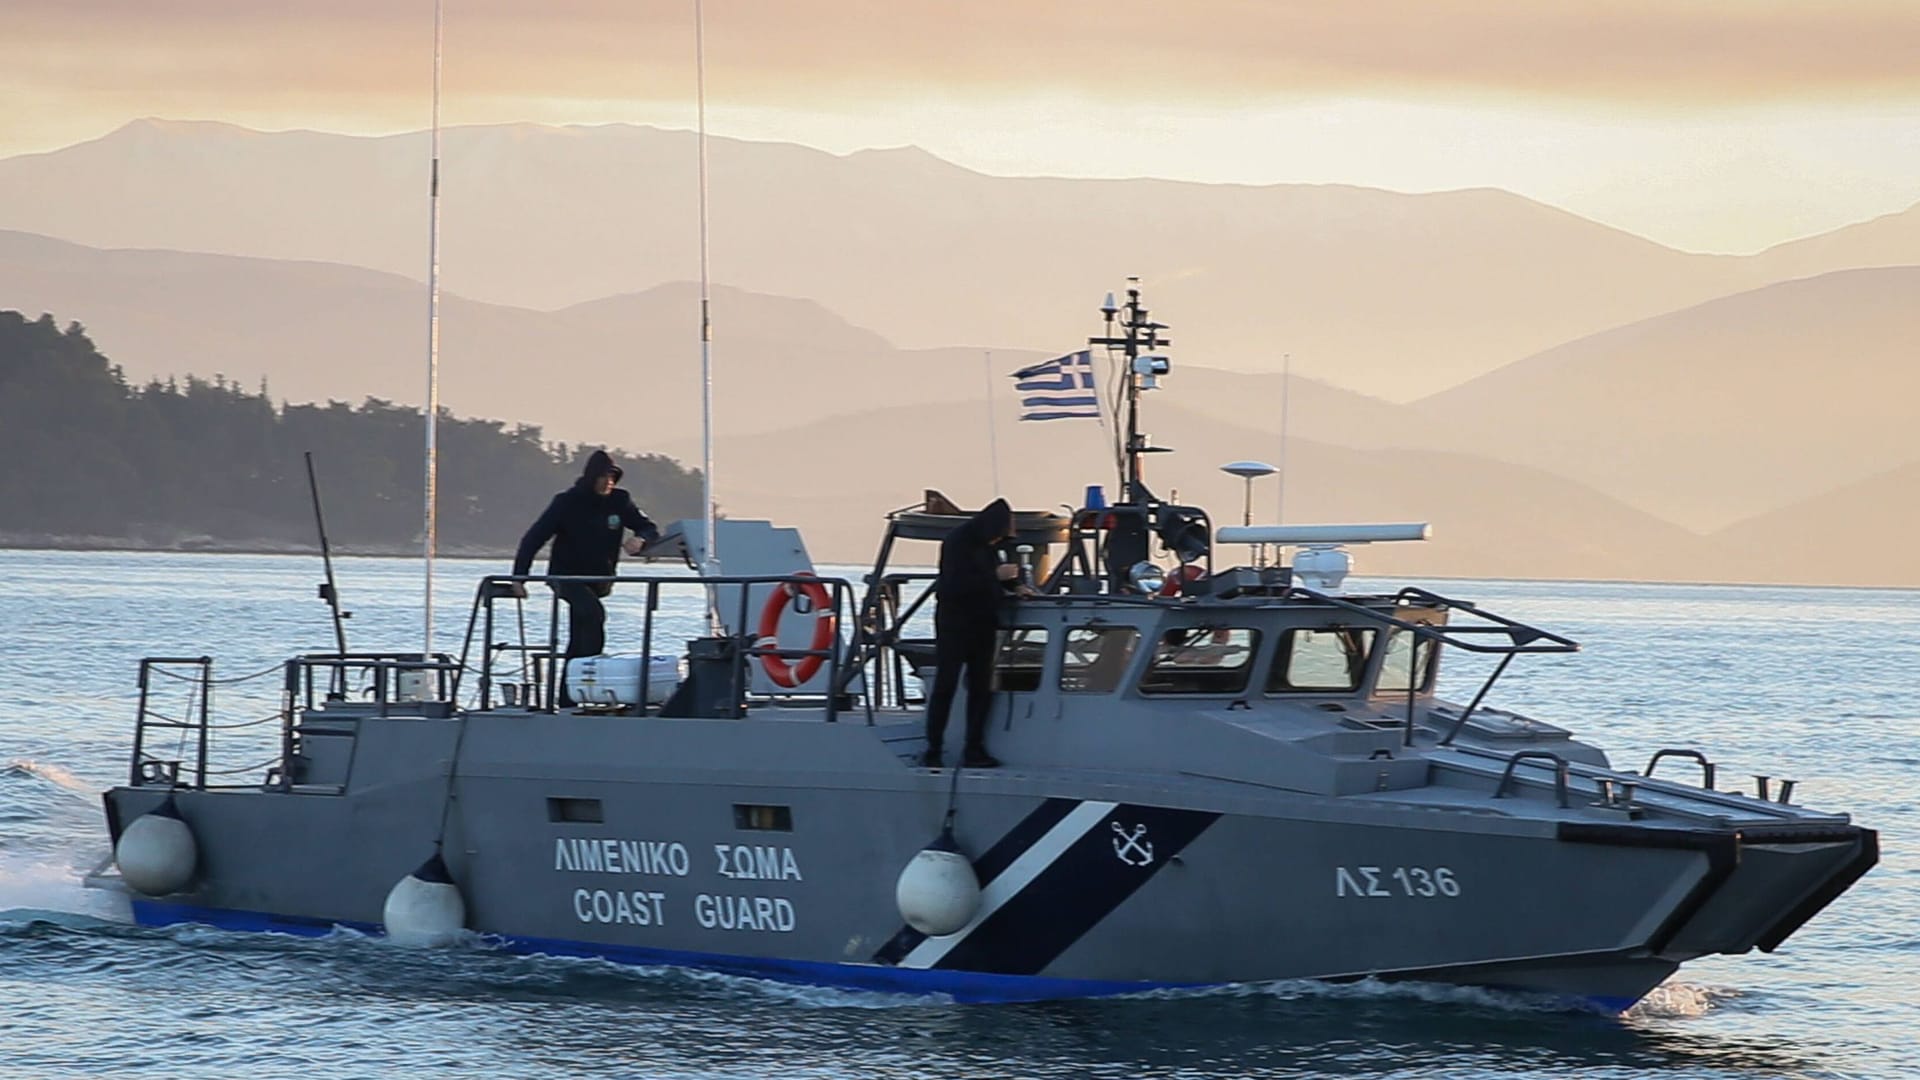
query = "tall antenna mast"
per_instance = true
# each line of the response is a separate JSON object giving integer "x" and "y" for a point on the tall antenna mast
{"x": 710, "y": 559}
{"x": 1286, "y": 397}
{"x": 993, "y": 432}
{"x": 430, "y": 537}
{"x": 1142, "y": 372}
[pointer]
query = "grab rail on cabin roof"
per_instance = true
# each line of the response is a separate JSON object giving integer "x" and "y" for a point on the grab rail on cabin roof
{"x": 1521, "y": 638}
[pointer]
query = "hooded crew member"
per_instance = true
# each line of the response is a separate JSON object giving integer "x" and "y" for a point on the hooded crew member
{"x": 586, "y": 523}
{"x": 972, "y": 584}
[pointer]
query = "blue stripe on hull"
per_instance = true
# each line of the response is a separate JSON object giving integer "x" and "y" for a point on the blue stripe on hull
{"x": 965, "y": 986}
{"x": 153, "y": 913}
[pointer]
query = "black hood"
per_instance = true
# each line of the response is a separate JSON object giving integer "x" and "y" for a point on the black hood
{"x": 969, "y": 588}
{"x": 599, "y": 463}
{"x": 994, "y": 521}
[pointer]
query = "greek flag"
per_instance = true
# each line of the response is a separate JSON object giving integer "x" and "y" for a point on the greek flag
{"x": 1059, "y": 389}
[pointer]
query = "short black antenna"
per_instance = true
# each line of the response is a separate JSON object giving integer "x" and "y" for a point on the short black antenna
{"x": 328, "y": 591}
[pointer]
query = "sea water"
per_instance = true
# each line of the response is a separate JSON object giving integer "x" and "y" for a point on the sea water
{"x": 1818, "y": 685}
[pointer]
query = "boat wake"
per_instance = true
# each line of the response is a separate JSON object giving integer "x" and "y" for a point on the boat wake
{"x": 476, "y": 966}
{"x": 1680, "y": 1001}
{"x": 1473, "y": 997}
{"x": 40, "y": 887}
{"x": 43, "y": 867}
{"x": 52, "y": 774}
{"x": 41, "y": 893}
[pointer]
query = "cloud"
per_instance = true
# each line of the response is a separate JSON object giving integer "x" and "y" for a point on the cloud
{"x": 371, "y": 54}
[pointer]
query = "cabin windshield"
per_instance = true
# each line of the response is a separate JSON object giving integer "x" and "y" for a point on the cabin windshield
{"x": 1202, "y": 660}
{"x": 1328, "y": 660}
{"x": 1394, "y": 671}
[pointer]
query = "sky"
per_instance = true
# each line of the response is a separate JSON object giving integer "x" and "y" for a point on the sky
{"x": 1709, "y": 125}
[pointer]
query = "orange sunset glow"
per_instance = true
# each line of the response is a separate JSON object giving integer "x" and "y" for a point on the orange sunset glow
{"x": 1632, "y": 282}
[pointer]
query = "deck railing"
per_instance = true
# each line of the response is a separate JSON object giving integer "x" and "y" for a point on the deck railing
{"x": 148, "y": 767}
{"x": 546, "y": 661}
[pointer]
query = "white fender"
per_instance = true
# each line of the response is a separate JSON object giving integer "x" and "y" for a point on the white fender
{"x": 156, "y": 853}
{"x": 425, "y": 907}
{"x": 938, "y": 892}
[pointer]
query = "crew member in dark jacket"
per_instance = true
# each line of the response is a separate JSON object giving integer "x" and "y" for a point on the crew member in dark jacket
{"x": 586, "y": 523}
{"x": 972, "y": 584}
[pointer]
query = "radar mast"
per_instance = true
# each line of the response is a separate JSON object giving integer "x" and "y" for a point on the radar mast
{"x": 1137, "y": 338}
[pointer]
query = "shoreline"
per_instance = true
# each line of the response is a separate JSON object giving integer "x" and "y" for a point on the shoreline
{"x": 207, "y": 546}
{"x": 194, "y": 545}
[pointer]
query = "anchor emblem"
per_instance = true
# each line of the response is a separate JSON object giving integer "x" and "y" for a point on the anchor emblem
{"x": 1131, "y": 847}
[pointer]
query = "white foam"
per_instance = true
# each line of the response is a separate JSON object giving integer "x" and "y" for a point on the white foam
{"x": 53, "y": 774}
{"x": 812, "y": 995}
{"x": 1679, "y": 1001}
{"x": 1376, "y": 989}
{"x": 34, "y": 885}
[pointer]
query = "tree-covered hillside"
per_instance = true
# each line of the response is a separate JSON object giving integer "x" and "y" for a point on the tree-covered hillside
{"x": 83, "y": 454}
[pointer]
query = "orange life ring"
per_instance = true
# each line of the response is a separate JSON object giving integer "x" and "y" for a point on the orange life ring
{"x": 781, "y": 672}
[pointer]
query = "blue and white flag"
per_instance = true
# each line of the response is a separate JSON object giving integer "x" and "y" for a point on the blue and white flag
{"x": 1059, "y": 389}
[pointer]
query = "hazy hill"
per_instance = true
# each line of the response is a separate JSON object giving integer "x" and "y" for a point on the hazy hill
{"x": 621, "y": 369}
{"x": 1489, "y": 518}
{"x": 1397, "y": 295}
{"x": 1888, "y": 240}
{"x": 1721, "y": 411}
{"x": 1862, "y": 534}
{"x": 860, "y": 426}
{"x": 202, "y": 461}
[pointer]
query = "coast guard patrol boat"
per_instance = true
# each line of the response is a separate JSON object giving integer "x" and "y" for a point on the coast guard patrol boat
{"x": 1212, "y": 774}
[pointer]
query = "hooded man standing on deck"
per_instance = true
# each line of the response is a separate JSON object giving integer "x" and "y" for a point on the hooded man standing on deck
{"x": 585, "y": 523}
{"x": 966, "y": 620}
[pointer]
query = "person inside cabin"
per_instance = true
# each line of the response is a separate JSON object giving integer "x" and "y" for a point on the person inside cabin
{"x": 586, "y": 523}
{"x": 974, "y": 580}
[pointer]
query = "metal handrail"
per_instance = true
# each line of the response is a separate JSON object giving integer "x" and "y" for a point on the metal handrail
{"x": 143, "y": 720}
{"x": 495, "y": 586}
{"x": 300, "y": 689}
{"x": 1521, "y": 638}
{"x": 383, "y": 666}
{"x": 1559, "y": 773}
{"x": 297, "y": 687}
{"x": 1707, "y": 767}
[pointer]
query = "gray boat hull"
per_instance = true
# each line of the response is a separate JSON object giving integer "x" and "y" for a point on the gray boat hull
{"x": 636, "y": 839}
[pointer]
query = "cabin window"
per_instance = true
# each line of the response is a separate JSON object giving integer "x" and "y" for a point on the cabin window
{"x": 1330, "y": 660}
{"x": 1023, "y": 650}
{"x": 574, "y": 811}
{"x": 1201, "y": 660}
{"x": 1394, "y": 672}
{"x": 1096, "y": 658}
{"x": 762, "y": 818}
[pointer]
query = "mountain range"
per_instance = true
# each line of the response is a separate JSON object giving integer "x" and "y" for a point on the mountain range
{"x": 1631, "y": 412}
{"x": 1394, "y": 294}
